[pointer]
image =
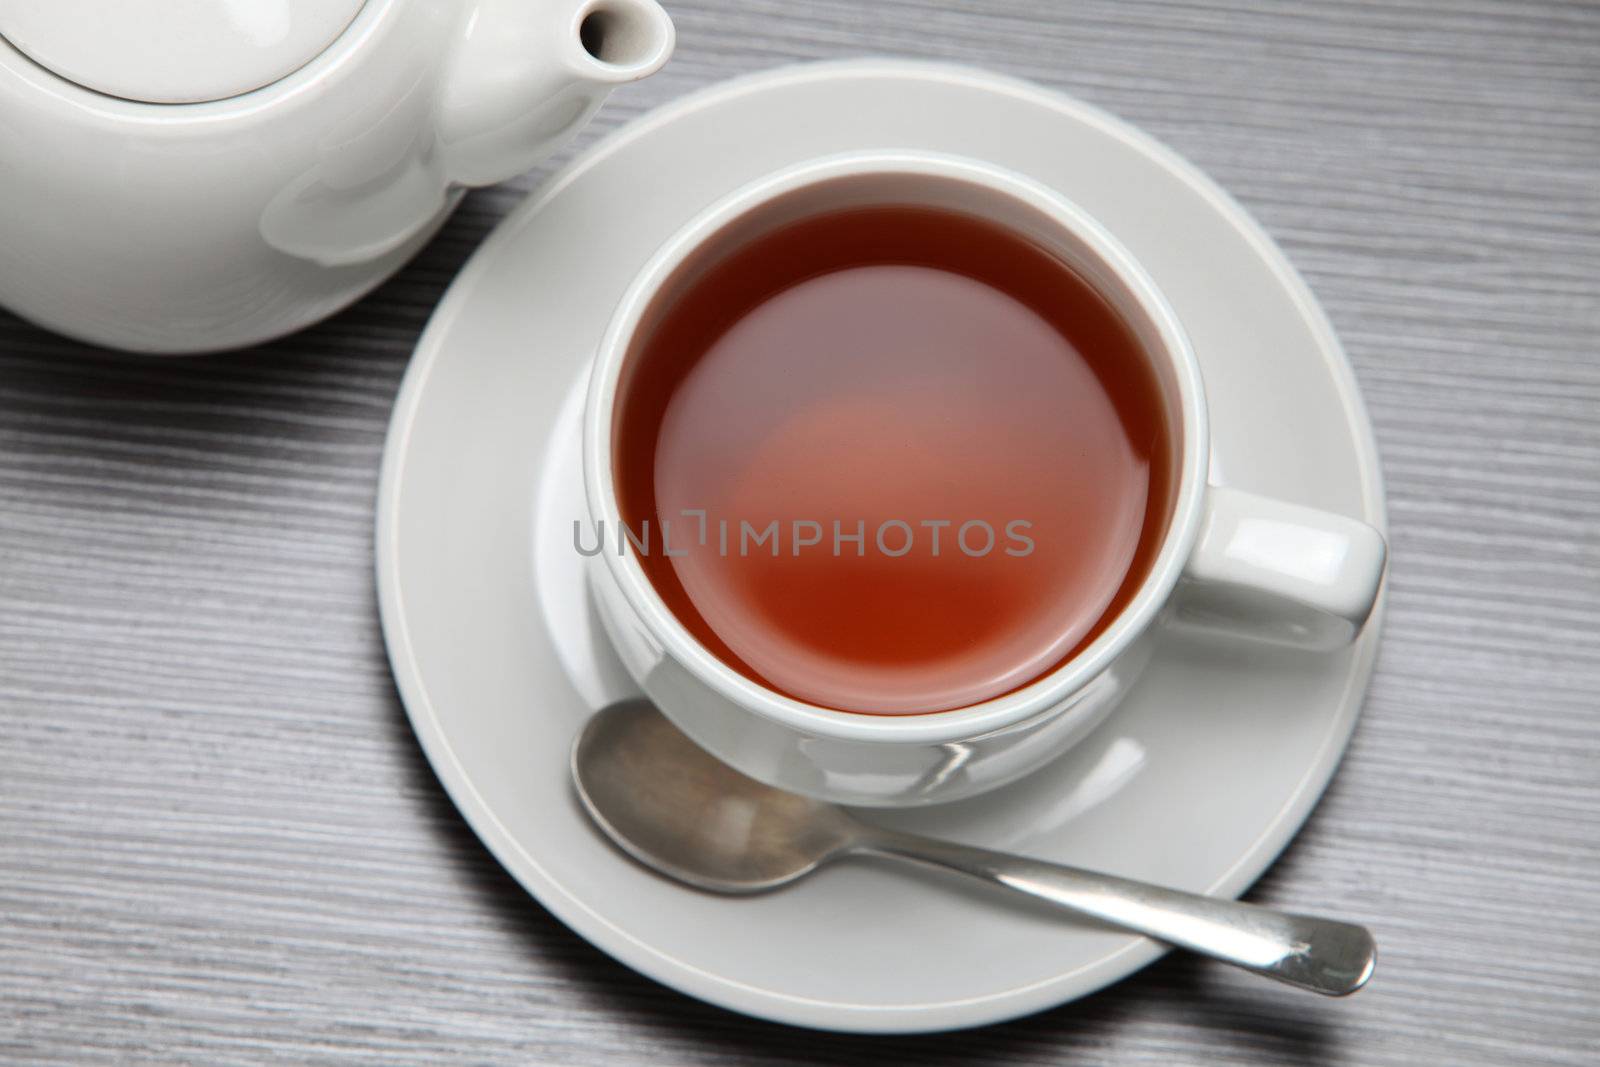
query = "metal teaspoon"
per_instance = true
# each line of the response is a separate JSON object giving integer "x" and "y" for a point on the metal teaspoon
{"x": 678, "y": 810}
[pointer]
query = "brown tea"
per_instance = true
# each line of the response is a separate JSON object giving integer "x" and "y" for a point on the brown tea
{"x": 891, "y": 459}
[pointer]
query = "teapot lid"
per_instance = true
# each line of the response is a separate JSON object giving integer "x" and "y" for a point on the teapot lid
{"x": 174, "y": 51}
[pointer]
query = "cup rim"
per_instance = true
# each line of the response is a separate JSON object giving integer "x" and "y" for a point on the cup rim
{"x": 1048, "y": 691}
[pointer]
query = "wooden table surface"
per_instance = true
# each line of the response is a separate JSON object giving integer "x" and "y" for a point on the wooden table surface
{"x": 219, "y": 842}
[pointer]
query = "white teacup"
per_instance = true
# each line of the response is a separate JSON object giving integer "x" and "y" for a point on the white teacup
{"x": 1256, "y": 568}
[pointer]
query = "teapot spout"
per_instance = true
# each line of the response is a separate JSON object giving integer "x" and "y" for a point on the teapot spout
{"x": 523, "y": 76}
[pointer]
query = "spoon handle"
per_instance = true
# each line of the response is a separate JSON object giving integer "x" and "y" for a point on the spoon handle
{"x": 1324, "y": 956}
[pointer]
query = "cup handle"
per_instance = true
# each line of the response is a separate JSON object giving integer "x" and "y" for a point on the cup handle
{"x": 1280, "y": 573}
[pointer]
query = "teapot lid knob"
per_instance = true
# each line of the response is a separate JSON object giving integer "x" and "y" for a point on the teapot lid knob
{"x": 174, "y": 51}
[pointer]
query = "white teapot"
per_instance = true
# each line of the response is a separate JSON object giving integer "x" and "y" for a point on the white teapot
{"x": 192, "y": 175}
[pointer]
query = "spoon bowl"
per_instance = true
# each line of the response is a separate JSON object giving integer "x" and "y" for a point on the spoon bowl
{"x": 676, "y": 809}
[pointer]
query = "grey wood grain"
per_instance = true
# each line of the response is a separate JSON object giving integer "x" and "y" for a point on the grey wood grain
{"x": 220, "y": 844}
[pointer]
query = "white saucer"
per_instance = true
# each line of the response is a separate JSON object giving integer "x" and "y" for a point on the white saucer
{"x": 1197, "y": 782}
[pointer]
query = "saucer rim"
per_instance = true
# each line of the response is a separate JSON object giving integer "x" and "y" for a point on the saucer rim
{"x": 917, "y": 1017}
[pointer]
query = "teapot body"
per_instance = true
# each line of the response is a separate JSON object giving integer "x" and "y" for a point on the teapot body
{"x": 214, "y": 225}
